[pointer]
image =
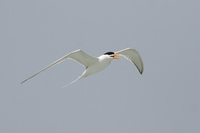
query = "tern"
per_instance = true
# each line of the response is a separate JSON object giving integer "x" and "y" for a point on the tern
{"x": 95, "y": 64}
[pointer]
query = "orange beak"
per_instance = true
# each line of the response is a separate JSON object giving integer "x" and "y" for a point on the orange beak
{"x": 116, "y": 57}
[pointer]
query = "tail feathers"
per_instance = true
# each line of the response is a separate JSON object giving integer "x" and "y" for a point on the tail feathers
{"x": 80, "y": 77}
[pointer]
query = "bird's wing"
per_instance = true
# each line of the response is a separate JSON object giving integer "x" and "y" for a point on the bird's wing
{"x": 133, "y": 56}
{"x": 78, "y": 55}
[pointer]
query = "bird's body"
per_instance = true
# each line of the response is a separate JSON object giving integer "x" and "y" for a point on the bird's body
{"x": 96, "y": 64}
{"x": 102, "y": 63}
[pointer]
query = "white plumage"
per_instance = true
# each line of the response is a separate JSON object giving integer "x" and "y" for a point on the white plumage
{"x": 133, "y": 56}
{"x": 96, "y": 64}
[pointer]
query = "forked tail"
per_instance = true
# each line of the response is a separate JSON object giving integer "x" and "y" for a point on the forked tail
{"x": 80, "y": 77}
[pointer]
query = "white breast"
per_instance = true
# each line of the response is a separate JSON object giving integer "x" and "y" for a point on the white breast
{"x": 103, "y": 62}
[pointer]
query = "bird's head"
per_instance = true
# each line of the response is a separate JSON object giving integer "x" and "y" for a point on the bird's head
{"x": 112, "y": 55}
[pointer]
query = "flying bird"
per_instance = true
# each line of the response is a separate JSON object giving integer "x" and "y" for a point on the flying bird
{"x": 95, "y": 64}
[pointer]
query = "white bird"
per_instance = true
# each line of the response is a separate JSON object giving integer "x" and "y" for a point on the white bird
{"x": 95, "y": 64}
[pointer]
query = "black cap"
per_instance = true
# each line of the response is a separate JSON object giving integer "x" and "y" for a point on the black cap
{"x": 109, "y": 53}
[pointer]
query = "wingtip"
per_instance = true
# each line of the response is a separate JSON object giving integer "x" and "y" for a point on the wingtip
{"x": 23, "y": 82}
{"x": 141, "y": 72}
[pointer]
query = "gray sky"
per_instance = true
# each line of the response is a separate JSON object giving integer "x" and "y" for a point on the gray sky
{"x": 165, "y": 99}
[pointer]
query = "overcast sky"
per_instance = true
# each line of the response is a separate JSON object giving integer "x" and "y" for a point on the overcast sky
{"x": 165, "y": 99}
